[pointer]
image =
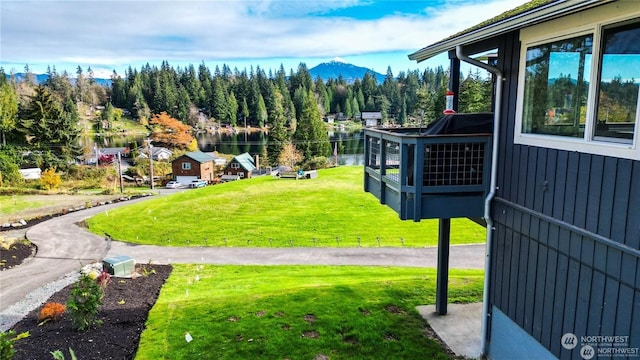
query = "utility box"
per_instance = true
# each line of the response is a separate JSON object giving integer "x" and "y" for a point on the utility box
{"x": 122, "y": 265}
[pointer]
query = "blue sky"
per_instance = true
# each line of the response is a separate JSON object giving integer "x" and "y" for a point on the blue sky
{"x": 114, "y": 34}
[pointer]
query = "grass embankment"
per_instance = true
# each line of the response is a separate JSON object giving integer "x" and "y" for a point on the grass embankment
{"x": 331, "y": 210}
{"x": 297, "y": 312}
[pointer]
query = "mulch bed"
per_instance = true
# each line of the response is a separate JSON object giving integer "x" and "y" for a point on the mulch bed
{"x": 124, "y": 311}
{"x": 15, "y": 254}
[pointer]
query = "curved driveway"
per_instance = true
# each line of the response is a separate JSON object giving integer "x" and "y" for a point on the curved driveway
{"x": 63, "y": 247}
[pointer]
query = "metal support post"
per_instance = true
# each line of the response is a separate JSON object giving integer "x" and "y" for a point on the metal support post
{"x": 442, "y": 281}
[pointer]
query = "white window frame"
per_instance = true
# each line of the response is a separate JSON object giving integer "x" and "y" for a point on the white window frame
{"x": 185, "y": 165}
{"x": 235, "y": 166}
{"x": 587, "y": 144}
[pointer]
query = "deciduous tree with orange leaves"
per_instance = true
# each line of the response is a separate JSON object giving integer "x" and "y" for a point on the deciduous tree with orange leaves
{"x": 170, "y": 131}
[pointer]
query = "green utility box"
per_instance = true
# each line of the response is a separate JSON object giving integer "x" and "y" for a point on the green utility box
{"x": 122, "y": 265}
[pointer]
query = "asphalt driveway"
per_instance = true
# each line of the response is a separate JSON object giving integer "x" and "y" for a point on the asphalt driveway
{"x": 64, "y": 247}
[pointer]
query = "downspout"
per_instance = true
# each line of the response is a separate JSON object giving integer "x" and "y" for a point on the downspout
{"x": 492, "y": 189}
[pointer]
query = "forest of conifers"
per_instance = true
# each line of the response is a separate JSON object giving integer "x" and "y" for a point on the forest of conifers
{"x": 42, "y": 119}
{"x": 231, "y": 97}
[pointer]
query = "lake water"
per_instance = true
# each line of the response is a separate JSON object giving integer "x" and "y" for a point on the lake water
{"x": 351, "y": 151}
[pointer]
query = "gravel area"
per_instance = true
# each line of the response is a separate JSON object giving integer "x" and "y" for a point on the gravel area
{"x": 32, "y": 301}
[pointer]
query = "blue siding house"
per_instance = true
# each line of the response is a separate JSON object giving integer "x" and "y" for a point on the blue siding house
{"x": 562, "y": 204}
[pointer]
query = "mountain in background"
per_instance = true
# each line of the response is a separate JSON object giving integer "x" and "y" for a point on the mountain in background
{"x": 328, "y": 70}
{"x": 42, "y": 78}
{"x": 336, "y": 68}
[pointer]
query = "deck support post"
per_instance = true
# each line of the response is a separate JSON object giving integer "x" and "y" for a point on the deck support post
{"x": 442, "y": 281}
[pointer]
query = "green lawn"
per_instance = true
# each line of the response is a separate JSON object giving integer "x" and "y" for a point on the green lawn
{"x": 332, "y": 210}
{"x": 10, "y": 204}
{"x": 297, "y": 312}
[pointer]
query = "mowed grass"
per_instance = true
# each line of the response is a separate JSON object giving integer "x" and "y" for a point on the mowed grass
{"x": 298, "y": 312}
{"x": 331, "y": 210}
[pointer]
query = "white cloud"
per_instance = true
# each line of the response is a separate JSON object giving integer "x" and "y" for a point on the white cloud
{"x": 109, "y": 33}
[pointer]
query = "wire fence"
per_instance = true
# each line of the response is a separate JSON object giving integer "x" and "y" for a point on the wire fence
{"x": 336, "y": 242}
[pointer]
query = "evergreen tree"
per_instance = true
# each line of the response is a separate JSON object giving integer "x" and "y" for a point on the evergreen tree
{"x": 8, "y": 108}
{"x": 232, "y": 116}
{"x": 219, "y": 101}
{"x": 355, "y": 107}
{"x": 277, "y": 131}
{"x": 261, "y": 115}
{"x": 51, "y": 128}
{"x": 311, "y": 136}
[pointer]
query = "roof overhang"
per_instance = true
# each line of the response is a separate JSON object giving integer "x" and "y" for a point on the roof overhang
{"x": 536, "y": 15}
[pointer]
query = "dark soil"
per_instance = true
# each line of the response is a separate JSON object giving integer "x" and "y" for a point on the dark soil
{"x": 15, "y": 254}
{"x": 124, "y": 311}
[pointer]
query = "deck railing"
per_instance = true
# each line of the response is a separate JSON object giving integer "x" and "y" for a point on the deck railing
{"x": 428, "y": 176}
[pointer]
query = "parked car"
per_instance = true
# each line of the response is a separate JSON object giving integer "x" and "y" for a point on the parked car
{"x": 173, "y": 185}
{"x": 198, "y": 183}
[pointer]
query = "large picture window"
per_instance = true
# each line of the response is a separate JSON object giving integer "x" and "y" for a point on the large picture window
{"x": 556, "y": 87}
{"x": 581, "y": 92}
{"x": 619, "y": 76}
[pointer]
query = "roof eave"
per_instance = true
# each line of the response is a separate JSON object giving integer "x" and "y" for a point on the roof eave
{"x": 528, "y": 18}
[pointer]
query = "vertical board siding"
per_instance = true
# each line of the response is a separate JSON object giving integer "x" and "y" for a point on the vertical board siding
{"x": 621, "y": 200}
{"x": 540, "y": 190}
{"x": 582, "y": 305}
{"x": 558, "y": 305}
{"x": 610, "y": 306}
{"x": 549, "y": 276}
{"x": 581, "y": 192}
{"x": 627, "y": 269}
{"x": 568, "y": 205}
{"x": 560, "y": 180}
{"x": 632, "y": 236}
{"x": 540, "y": 291}
{"x": 531, "y": 189}
{"x": 549, "y": 291}
{"x": 625, "y": 301}
{"x": 531, "y": 291}
{"x": 550, "y": 186}
{"x": 596, "y": 304}
{"x": 593, "y": 195}
{"x": 608, "y": 188}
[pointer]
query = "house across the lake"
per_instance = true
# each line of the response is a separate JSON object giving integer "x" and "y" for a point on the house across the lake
{"x": 562, "y": 199}
{"x": 240, "y": 167}
{"x": 158, "y": 153}
{"x": 192, "y": 166}
{"x": 371, "y": 118}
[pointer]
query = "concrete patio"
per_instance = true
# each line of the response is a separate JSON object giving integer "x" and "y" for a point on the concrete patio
{"x": 460, "y": 328}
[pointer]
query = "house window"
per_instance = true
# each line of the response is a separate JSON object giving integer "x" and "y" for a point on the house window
{"x": 186, "y": 166}
{"x": 241, "y": 174}
{"x": 556, "y": 87}
{"x": 235, "y": 166}
{"x": 580, "y": 92}
{"x": 617, "y": 95}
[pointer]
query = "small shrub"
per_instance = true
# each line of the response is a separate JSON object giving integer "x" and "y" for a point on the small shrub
{"x": 59, "y": 355}
{"x": 51, "y": 311}
{"x": 318, "y": 162}
{"x": 103, "y": 280}
{"x": 49, "y": 179}
{"x": 146, "y": 272}
{"x": 86, "y": 298}
{"x": 7, "y": 339}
